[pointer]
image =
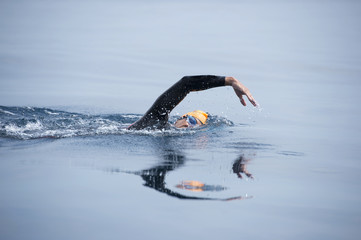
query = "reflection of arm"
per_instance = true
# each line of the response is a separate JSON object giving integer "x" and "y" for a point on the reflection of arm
{"x": 165, "y": 103}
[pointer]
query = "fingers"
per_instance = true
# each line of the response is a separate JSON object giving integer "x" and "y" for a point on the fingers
{"x": 251, "y": 99}
{"x": 249, "y": 175}
{"x": 242, "y": 101}
{"x": 241, "y": 90}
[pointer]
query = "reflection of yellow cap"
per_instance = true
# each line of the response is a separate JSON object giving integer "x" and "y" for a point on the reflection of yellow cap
{"x": 200, "y": 115}
{"x": 194, "y": 186}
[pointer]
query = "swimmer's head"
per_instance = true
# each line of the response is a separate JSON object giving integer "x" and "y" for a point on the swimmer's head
{"x": 192, "y": 119}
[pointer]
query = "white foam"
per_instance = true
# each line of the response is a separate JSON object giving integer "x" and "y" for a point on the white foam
{"x": 30, "y": 126}
{"x": 162, "y": 132}
{"x": 7, "y": 112}
{"x": 51, "y": 113}
{"x": 107, "y": 129}
{"x": 130, "y": 116}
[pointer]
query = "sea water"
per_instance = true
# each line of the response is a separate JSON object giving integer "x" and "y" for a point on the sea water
{"x": 75, "y": 74}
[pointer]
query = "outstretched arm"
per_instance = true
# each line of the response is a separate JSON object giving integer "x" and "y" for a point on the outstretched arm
{"x": 157, "y": 115}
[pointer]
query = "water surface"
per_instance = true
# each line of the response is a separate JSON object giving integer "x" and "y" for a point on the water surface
{"x": 74, "y": 74}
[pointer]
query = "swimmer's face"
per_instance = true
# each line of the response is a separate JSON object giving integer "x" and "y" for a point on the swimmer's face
{"x": 186, "y": 122}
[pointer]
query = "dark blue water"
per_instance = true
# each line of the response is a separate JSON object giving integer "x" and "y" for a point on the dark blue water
{"x": 75, "y": 74}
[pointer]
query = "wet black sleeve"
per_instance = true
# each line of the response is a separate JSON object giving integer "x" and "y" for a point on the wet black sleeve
{"x": 157, "y": 115}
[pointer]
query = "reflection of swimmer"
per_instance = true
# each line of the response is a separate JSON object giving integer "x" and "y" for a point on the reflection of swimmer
{"x": 239, "y": 167}
{"x": 157, "y": 115}
{"x": 155, "y": 178}
{"x": 196, "y": 186}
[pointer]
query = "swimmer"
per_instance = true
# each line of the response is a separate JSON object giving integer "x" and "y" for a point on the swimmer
{"x": 157, "y": 115}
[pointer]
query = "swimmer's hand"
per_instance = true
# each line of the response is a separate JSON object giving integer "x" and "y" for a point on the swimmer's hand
{"x": 240, "y": 90}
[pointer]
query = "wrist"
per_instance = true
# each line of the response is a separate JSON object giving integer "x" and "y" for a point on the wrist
{"x": 229, "y": 81}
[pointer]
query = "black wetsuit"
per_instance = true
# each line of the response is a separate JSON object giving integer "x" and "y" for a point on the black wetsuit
{"x": 158, "y": 113}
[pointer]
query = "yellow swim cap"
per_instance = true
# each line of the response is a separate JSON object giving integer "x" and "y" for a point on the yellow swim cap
{"x": 200, "y": 115}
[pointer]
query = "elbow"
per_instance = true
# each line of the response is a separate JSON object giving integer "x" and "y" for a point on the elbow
{"x": 185, "y": 80}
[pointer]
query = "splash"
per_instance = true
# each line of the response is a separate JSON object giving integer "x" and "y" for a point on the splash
{"x": 33, "y": 123}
